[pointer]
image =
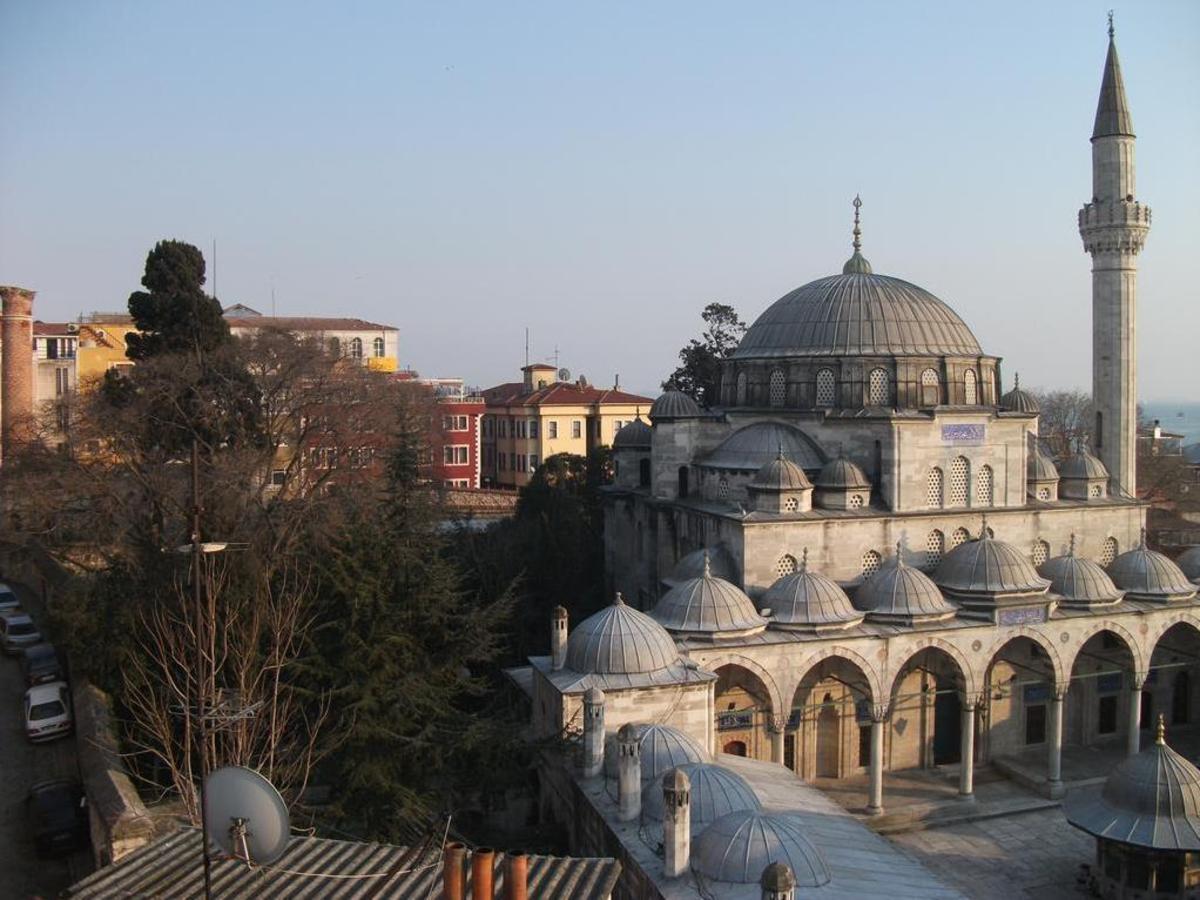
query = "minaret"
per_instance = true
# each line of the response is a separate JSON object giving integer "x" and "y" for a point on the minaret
{"x": 1113, "y": 227}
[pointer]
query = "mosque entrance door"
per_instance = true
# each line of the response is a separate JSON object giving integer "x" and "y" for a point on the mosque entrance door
{"x": 947, "y": 727}
{"x": 828, "y": 740}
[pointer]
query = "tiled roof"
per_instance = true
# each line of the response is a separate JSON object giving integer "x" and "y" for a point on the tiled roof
{"x": 561, "y": 393}
{"x": 170, "y": 869}
{"x": 306, "y": 323}
{"x": 53, "y": 329}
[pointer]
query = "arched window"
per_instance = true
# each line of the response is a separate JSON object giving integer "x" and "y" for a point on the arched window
{"x": 785, "y": 566}
{"x": 683, "y": 481}
{"x": 826, "y": 387}
{"x": 1108, "y": 551}
{"x": 983, "y": 486}
{"x": 959, "y": 536}
{"x": 933, "y": 488}
{"x": 377, "y": 347}
{"x": 1041, "y": 553}
{"x": 644, "y": 473}
{"x": 356, "y": 348}
{"x": 960, "y": 473}
{"x": 791, "y": 504}
{"x": 970, "y": 388}
{"x": 870, "y": 564}
{"x": 935, "y": 546}
{"x": 741, "y": 389}
{"x": 335, "y": 347}
{"x": 931, "y": 393}
{"x": 778, "y": 388}
{"x": 879, "y": 393}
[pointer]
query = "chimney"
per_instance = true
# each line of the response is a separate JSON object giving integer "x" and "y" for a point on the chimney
{"x": 778, "y": 882}
{"x": 1157, "y": 430}
{"x": 16, "y": 374}
{"x": 593, "y": 732}
{"x": 629, "y": 773}
{"x": 483, "y": 860}
{"x": 558, "y": 638}
{"x": 516, "y": 875}
{"x": 454, "y": 860}
{"x": 677, "y": 822}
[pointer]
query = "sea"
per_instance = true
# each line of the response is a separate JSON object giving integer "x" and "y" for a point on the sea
{"x": 1180, "y": 418}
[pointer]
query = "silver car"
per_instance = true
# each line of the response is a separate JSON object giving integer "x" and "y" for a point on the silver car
{"x": 8, "y": 597}
{"x": 17, "y": 631}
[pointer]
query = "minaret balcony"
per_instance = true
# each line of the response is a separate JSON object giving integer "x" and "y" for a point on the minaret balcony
{"x": 1108, "y": 226}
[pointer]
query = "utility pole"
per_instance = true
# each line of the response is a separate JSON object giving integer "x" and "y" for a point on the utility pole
{"x": 201, "y": 730}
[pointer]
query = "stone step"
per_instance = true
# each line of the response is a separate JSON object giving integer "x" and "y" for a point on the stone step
{"x": 920, "y": 816}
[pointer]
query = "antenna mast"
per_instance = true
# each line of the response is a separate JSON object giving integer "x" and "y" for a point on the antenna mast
{"x": 526, "y": 345}
{"x": 214, "y": 269}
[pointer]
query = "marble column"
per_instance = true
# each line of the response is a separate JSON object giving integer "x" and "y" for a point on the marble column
{"x": 875, "y": 801}
{"x": 1054, "y": 740}
{"x": 966, "y": 771}
{"x": 1133, "y": 736}
{"x": 777, "y": 729}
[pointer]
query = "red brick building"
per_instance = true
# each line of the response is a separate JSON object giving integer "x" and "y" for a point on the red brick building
{"x": 454, "y": 451}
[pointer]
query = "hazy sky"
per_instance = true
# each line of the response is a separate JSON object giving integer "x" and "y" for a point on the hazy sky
{"x": 598, "y": 172}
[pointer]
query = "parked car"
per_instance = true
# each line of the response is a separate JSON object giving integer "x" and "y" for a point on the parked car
{"x": 47, "y": 711}
{"x": 17, "y": 631}
{"x": 8, "y": 597}
{"x": 57, "y": 813}
{"x": 40, "y": 664}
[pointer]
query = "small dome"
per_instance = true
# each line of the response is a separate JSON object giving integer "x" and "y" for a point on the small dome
{"x": 1082, "y": 465}
{"x": 781, "y": 474}
{"x": 809, "y": 600}
{"x": 620, "y": 640}
{"x": 662, "y": 749}
{"x": 1040, "y": 467}
{"x": 692, "y": 565}
{"x": 1145, "y": 574}
{"x": 1189, "y": 563}
{"x": 1079, "y": 581}
{"x": 739, "y": 846}
{"x": 708, "y": 606}
{"x": 900, "y": 593}
{"x": 1018, "y": 400}
{"x": 750, "y": 448}
{"x": 716, "y": 791}
{"x": 989, "y": 567}
{"x": 777, "y": 877}
{"x": 674, "y": 405}
{"x": 841, "y": 474}
{"x": 633, "y": 435}
{"x": 1150, "y": 800}
{"x": 593, "y": 695}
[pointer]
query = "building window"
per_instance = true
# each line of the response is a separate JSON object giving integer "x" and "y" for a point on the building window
{"x": 741, "y": 389}
{"x": 512, "y": 461}
{"x": 1041, "y": 553}
{"x": 933, "y": 488}
{"x": 960, "y": 471}
{"x": 533, "y": 462}
{"x": 826, "y": 387}
{"x": 644, "y": 472}
{"x": 454, "y": 455}
{"x": 335, "y": 347}
{"x": 502, "y": 460}
{"x": 377, "y": 347}
{"x": 1035, "y": 724}
{"x": 935, "y": 546}
{"x": 552, "y": 429}
{"x": 576, "y": 429}
{"x": 970, "y": 388}
{"x": 930, "y": 388}
{"x": 723, "y": 487}
{"x": 983, "y": 486}
{"x": 533, "y": 428}
{"x": 62, "y": 381}
{"x": 870, "y": 564}
{"x": 1108, "y": 551}
{"x": 1106, "y": 720}
{"x": 1043, "y": 493}
{"x": 778, "y": 388}
{"x": 1095, "y": 491}
{"x": 454, "y": 423}
{"x": 356, "y": 348}
{"x": 878, "y": 391}
{"x": 278, "y": 477}
{"x": 856, "y": 501}
{"x": 791, "y": 504}
{"x": 959, "y": 536}
{"x": 785, "y": 565}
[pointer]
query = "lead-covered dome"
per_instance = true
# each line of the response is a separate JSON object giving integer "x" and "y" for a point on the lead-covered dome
{"x": 1189, "y": 563}
{"x": 1146, "y": 574}
{"x": 781, "y": 474}
{"x": 809, "y": 601}
{"x": 842, "y": 474}
{"x": 900, "y": 594}
{"x": 986, "y": 567}
{"x": 692, "y": 565}
{"x": 749, "y": 449}
{"x": 1083, "y": 466}
{"x": 1018, "y": 400}
{"x": 1080, "y": 582}
{"x": 662, "y": 748}
{"x": 708, "y": 607}
{"x": 633, "y": 435}
{"x": 716, "y": 791}
{"x": 738, "y": 847}
{"x": 620, "y": 640}
{"x": 674, "y": 405}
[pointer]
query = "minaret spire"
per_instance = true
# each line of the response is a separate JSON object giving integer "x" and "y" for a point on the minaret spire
{"x": 1112, "y": 111}
{"x": 857, "y": 264}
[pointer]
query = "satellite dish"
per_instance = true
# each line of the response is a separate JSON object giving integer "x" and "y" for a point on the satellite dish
{"x": 245, "y": 815}
{"x": 564, "y": 374}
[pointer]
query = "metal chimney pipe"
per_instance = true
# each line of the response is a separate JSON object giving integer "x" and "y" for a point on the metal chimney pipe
{"x": 483, "y": 861}
{"x": 516, "y": 878}
{"x": 454, "y": 860}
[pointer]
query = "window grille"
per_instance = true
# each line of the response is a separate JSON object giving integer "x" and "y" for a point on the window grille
{"x": 741, "y": 389}
{"x": 959, "y": 472}
{"x": 1041, "y": 553}
{"x": 870, "y": 564}
{"x": 935, "y": 546}
{"x": 930, "y": 388}
{"x": 785, "y": 566}
{"x": 1043, "y": 493}
{"x": 933, "y": 488}
{"x": 791, "y": 504}
{"x": 983, "y": 486}
{"x": 1095, "y": 491}
{"x": 825, "y": 387}
{"x": 723, "y": 488}
{"x": 970, "y": 388}
{"x": 856, "y": 501}
{"x": 878, "y": 392}
{"x": 1108, "y": 551}
{"x": 960, "y": 536}
{"x": 778, "y": 388}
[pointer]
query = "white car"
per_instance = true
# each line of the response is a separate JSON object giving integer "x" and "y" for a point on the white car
{"x": 47, "y": 711}
{"x": 8, "y": 597}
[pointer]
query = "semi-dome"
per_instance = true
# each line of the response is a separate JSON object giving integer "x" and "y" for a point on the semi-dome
{"x": 662, "y": 748}
{"x": 987, "y": 567}
{"x": 633, "y": 435}
{"x": 716, "y": 791}
{"x": 842, "y": 474}
{"x": 739, "y": 846}
{"x": 1146, "y": 574}
{"x": 809, "y": 601}
{"x": 781, "y": 474}
{"x": 1079, "y": 581}
{"x": 674, "y": 405}
{"x": 708, "y": 607}
{"x": 1018, "y": 400}
{"x": 620, "y": 640}
{"x": 1150, "y": 800}
{"x": 900, "y": 594}
{"x": 691, "y": 565}
{"x": 1082, "y": 465}
{"x": 1189, "y": 563}
{"x": 749, "y": 449}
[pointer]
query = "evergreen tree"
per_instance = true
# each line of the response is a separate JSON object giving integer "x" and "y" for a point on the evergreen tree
{"x": 173, "y": 314}
{"x": 699, "y": 370}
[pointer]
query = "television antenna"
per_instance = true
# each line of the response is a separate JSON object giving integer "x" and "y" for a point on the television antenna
{"x": 245, "y": 815}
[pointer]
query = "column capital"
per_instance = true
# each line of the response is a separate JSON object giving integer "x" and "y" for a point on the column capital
{"x": 971, "y": 701}
{"x": 1059, "y": 689}
{"x": 777, "y": 724}
{"x": 1137, "y": 679}
{"x": 880, "y": 712}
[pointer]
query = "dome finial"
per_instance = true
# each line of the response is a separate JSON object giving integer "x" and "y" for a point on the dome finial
{"x": 1160, "y": 733}
{"x": 707, "y": 565}
{"x": 618, "y": 600}
{"x": 1017, "y": 380}
{"x": 1071, "y": 549}
{"x": 1111, "y": 31}
{"x": 983, "y": 529}
{"x": 857, "y": 264}
{"x": 1142, "y": 545}
{"x": 804, "y": 560}
{"x": 858, "y": 206}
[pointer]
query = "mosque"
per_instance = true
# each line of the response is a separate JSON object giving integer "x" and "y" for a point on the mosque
{"x": 858, "y": 560}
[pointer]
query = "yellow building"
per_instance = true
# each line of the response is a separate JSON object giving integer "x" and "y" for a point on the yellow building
{"x": 101, "y": 346}
{"x": 527, "y": 421}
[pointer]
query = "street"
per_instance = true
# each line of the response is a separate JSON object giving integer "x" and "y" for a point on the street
{"x": 24, "y": 764}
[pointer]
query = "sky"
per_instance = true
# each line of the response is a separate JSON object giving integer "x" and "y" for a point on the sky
{"x": 598, "y": 173}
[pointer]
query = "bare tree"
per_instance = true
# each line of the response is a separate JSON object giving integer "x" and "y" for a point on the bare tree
{"x": 1065, "y": 421}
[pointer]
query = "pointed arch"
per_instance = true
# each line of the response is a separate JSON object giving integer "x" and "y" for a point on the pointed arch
{"x": 1061, "y": 674}
{"x": 774, "y": 697}
{"x": 1136, "y": 651}
{"x": 971, "y": 680}
{"x": 870, "y": 673}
